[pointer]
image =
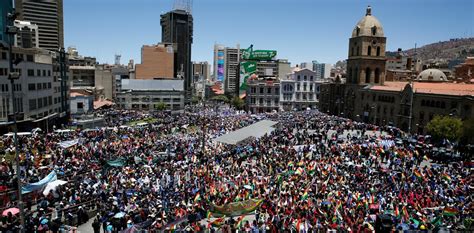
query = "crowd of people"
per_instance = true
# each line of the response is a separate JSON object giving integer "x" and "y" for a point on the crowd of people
{"x": 312, "y": 172}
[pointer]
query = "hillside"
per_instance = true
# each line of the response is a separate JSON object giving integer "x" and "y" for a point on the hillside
{"x": 450, "y": 50}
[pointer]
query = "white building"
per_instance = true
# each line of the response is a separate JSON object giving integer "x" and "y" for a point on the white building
{"x": 27, "y": 36}
{"x": 140, "y": 94}
{"x": 37, "y": 91}
{"x": 300, "y": 90}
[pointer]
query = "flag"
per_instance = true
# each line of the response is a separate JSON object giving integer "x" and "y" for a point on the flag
{"x": 240, "y": 222}
{"x": 298, "y": 225}
{"x": 418, "y": 174}
{"x": 216, "y": 223}
{"x": 450, "y": 211}
{"x": 446, "y": 177}
{"x": 405, "y": 212}
{"x": 197, "y": 198}
{"x": 299, "y": 171}
{"x": 305, "y": 195}
{"x": 396, "y": 212}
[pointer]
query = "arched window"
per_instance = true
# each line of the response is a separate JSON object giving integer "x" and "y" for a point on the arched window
{"x": 367, "y": 75}
{"x": 377, "y": 75}
{"x": 357, "y": 52}
{"x": 352, "y": 52}
{"x": 369, "y": 51}
{"x": 378, "y": 51}
{"x": 374, "y": 30}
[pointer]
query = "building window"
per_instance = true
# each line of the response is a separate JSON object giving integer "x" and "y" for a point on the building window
{"x": 32, "y": 103}
{"x": 38, "y": 73}
{"x": 80, "y": 105}
{"x": 38, "y": 86}
{"x": 269, "y": 90}
{"x": 277, "y": 90}
{"x": 367, "y": 75}
{"x": 261, "y": 90}
{"x": 299, "y": 78}
{"x": 305, "y": 78}
{"x": 40, "y": 103}
{"x": 369, "y": 51}
{"x": 45, "y": 86}
{"x": 311, "y": 78}
{"x": 31, "y": 87}
{"x": 50, "y": 100}
{"x": 31, "y": 72}
{"x": 374, "y": 30}
{"x": 298, "y": 87}
{"x": 49, "y": 73}
{"x": 44, "y": 73}
{"x": 378, "y": 51}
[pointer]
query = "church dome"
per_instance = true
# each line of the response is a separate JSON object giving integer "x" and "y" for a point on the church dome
{"x": 432, "y": 75}
{"x": 368, "y": 26}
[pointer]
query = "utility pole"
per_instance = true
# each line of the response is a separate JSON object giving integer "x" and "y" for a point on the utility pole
{"x": 11, "y": 30}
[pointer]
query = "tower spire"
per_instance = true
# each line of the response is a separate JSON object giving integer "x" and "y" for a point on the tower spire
{"x": 368, "y": 11}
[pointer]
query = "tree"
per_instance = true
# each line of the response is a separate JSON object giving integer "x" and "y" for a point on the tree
{"x": 238, "y": 103}
{"x": 468, "y": 131}
{"x": 222, "y": 98}
{"x": 160, "y": 106}
{"x": 445, "y": 127}
{"x": 195, "y": 100}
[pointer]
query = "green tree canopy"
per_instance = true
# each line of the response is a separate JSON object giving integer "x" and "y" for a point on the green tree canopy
{"x": 221, "y": 98}
{"x": 445, "y": 127}
{"x": 160, "y": 106}
{"x": 238, "y": 103}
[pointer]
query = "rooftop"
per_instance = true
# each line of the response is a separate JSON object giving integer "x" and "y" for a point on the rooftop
{"x": 457, "y": 89}
{"x": 153, "y": 85}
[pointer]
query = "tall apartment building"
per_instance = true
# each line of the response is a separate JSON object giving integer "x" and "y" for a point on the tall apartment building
{"x": 158, "y": 62}
{"x": 226, "y": 67}
{"x": 177, "y": 28}
{"x": 48, "y": 15}
{"x": 323, "y": 70}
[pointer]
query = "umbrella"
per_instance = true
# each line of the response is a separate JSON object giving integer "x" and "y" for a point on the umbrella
{"x": 11, "y": 210}
{"x": 52, "y": 186}
{"x": 119, "y": 215}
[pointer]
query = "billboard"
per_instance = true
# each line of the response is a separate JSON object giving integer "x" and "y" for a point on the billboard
{"x": 220, "y": 66}
{"x": 247, "y": 68}
{"x": 258, "y": 55}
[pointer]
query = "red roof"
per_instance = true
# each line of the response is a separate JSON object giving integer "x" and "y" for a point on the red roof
{"x": 101, "y": 103}
{"x": 430, "y": 88}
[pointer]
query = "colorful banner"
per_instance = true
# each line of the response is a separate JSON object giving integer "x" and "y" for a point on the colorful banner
{"x": 220, "y": 66}
{"x": 40, "y": 184}
{"x": 235, "y": 208}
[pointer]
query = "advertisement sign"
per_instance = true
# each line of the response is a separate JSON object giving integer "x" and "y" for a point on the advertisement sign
{"x": 258, "y": 55}
{"x": 220, "y": 66}
{"x": 247, "y": 68}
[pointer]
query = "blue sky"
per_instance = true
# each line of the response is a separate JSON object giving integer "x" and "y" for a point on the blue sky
{"x": 300, "y": 30}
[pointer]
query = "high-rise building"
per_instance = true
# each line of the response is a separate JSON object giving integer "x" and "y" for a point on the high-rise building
{"x": 48, "y": 15}
{"x": 323, "y": 70}
{"x": 226, "y": 66}
{"x": 157, "y": 62}
{"x": 177, "y": 28}
{"x": 6, "y": 6}
{"x": 202, "y": 69}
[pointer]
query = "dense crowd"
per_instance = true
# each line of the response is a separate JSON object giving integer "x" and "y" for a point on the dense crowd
{"x": 313, "y": 172}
